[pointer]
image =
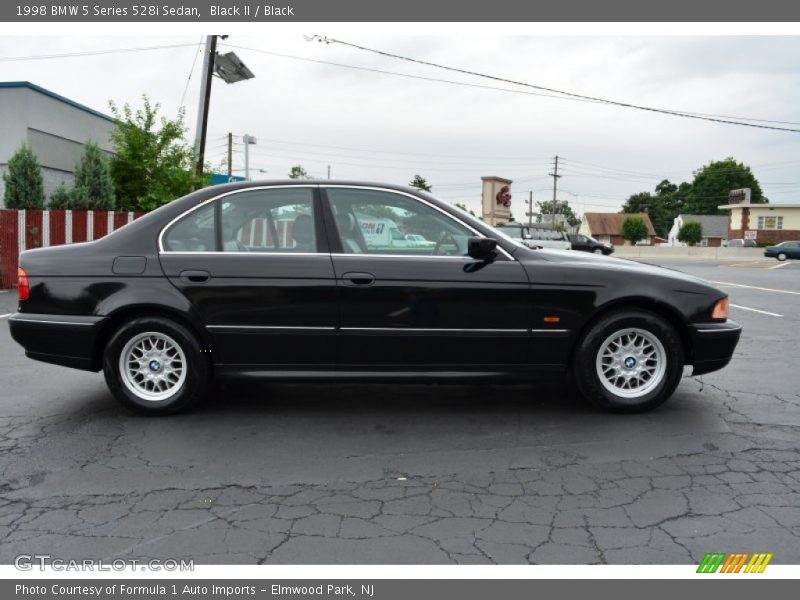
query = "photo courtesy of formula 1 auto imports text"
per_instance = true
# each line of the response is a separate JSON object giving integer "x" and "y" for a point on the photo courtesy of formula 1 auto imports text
{"x": 328, "y": 299}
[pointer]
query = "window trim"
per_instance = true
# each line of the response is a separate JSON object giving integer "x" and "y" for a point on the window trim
{"x": 761, "y": 223}
{"x": 218, "y": 233}
{"x": 326, "y": 200}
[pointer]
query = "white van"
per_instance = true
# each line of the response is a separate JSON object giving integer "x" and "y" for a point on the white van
{"x": 536, "y": 235}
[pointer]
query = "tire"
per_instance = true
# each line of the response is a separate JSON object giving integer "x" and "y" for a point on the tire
{"x": 162, "y": 387}
{"x": 597, "y": 359}
{"x": 598, "y": 250}
{"x": 781, "y": 256}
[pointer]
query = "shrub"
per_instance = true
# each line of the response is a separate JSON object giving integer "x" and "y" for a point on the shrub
{"x": 24, "y": 184}
{"x": 633, "y": 229}
{"x": 690, "y": 233}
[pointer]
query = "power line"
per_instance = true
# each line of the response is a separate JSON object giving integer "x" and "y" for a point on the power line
{"x": 91, "y": 53}
{"x": 397, "y": 152}
{"x": 406, "y": 75}
{"x": 419, "y": 163}
{"x": 665, "y": 111}
{"x": 191, "y": 70}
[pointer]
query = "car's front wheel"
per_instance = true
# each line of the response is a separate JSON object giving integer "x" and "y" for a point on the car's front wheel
{"x": 598, "y": 250}
{"x": 629, "y": 361}
{"x": 155, "y": 366}
{"x": 782, "y": 256}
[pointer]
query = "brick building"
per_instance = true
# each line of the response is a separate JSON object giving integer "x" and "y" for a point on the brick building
{"x": 607, "y": 227}
{"x": 767, "y": 223}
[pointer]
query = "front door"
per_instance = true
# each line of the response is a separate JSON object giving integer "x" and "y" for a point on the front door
{"x": 255, "y": 266}
{"x": 410, "y": 297}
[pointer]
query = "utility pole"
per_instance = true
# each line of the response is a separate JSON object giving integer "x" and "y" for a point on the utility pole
{"x": 329, "y": 171}
{"x": 555, "y": 177}
{"x": 247, "y": 140}
{"x": 205, "y": 98}
{"x": 230, "y": 155}
{"x": 530, "y": 209}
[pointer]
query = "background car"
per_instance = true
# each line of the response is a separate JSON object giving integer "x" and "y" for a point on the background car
{"x": 536, "y": 235}
{"x": 586, "y": 243}
{"x": 741, "y": 243}
{"x": 783, "y": 250}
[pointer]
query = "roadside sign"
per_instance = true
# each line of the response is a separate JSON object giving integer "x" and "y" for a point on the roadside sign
{"x": 220, "y": 178}
{"x": 750, "y": 234}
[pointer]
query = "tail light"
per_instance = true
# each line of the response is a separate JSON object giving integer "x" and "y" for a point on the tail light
{"x": 721, "y": 309}
{"x": 23, "y": 287}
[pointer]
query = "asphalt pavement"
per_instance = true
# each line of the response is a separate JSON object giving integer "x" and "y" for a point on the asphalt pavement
{"x": 417, "y": 474}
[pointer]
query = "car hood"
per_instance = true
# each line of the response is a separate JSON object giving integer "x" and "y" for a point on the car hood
{"x": 599, "y": 263}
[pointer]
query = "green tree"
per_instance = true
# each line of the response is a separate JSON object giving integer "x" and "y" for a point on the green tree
{"x": 94, "y": 188}
{"x": 152, "y": 163}
{"x": 633, "y": 229}
{"x": 299, "y": 172}
{"x": 712, "y": 183}
{"x": 690, "y": 233}
{"x": 559, "y": 207}
{"x": 420, "y": 183}
{"x": 662, "y": 207}
{"x": 61, "y": 197}
{"x": 24, "y": 183}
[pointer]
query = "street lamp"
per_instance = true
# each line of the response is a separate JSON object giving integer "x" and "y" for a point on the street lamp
{"x": 230, "y": 69}
{"x": 247, "y": 140}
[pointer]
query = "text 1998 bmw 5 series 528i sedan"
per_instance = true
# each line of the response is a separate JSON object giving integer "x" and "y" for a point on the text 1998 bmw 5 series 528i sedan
{"x": 308, "y": 281}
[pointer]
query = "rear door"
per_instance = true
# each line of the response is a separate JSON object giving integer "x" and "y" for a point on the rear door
{"x": 255, "y": 266}
{"x": 427, "y": 306}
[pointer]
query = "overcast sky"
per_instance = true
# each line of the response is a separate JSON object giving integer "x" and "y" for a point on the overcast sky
{"x": 387, "y": 128}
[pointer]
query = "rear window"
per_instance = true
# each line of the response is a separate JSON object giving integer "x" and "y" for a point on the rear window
{"x": 193, "y": 233}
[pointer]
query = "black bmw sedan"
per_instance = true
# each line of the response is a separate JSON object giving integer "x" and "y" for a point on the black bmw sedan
{"x": 360, "y": 282}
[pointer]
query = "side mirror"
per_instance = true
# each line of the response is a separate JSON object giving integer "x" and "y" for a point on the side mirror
{"x": 481, "y": 248}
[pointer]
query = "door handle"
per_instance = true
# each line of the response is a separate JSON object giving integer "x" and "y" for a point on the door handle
{"x": 195, "y": 276}
{"x": 358, "y": 279}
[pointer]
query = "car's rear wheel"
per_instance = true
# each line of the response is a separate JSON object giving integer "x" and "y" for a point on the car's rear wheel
{"x": 782, "y": 256}
{"x": 629, "y": 361}
{"x": 155, "y": 366}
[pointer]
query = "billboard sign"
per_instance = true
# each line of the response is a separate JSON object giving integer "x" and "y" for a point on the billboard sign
{"x": 741, "y": 196}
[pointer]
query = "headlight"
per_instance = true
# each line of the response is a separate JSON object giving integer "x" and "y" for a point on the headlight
{"x": 720, "y": 311}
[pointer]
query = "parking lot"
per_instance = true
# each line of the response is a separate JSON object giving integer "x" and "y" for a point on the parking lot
{"x": 417, "y": 474}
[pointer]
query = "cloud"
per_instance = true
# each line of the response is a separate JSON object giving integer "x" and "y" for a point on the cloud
{"x": 382, "y": 127}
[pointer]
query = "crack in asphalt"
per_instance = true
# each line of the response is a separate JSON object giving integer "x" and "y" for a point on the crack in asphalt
{"x": 741, "y": 486}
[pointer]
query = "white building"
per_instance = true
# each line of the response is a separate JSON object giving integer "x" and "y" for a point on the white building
{"x": 55, "y": 127}
{"x": 715, "y": 229}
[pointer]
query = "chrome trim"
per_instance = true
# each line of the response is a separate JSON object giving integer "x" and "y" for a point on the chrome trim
{"x": 300, "y": 327}
{"x": 455, "y": 329}
{"x": 392, "y": 329}
{"x": 463, "y": 258}
{"x": 223, "y": 195}
{"x": 413, "y": 197}
{"x": 207, "y": 252}
{"x": 318, "y": 185}
{"x": 726, "y": 330}
{"x": 48, "y": 322}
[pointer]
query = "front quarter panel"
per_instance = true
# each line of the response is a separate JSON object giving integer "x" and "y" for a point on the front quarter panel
{"x": 569, "y": 294}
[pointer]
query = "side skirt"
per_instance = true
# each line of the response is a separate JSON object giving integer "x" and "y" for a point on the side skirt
{"x": 462, "y": 375}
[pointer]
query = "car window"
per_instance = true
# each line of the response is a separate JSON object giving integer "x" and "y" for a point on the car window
{"x": 366, "y": 221}
{"x": 269, "y": 220}
{"x": 192, "y": 233}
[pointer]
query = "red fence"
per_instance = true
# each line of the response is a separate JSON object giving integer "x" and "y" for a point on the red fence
{"x": 24, "y": 229}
